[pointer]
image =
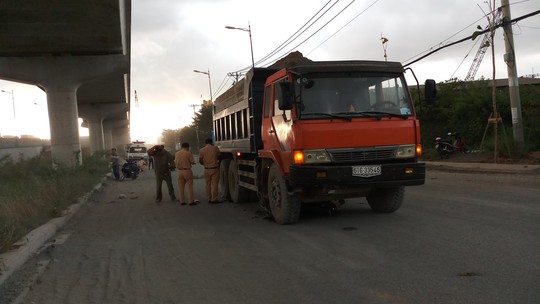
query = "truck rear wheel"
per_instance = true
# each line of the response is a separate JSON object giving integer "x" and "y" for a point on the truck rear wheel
{"x": 238, "y": 194}
{"x": 285, "y": 207}
{"x": 224, "y": 179}
{"x": 386, "y": 200}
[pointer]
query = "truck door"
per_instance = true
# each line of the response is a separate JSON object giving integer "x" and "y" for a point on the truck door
{"x": 276, "y": 126}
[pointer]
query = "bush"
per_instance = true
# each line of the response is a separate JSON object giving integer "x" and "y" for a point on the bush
{"x": 32, "y": 192}
{"x": 466, "y": 107}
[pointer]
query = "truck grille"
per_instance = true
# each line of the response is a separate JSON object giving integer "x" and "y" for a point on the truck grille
{"x": 362, "y": 154}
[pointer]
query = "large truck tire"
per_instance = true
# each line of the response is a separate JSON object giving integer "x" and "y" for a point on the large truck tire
{"x": 285, "y": 207}
{"x": 386, "y": 200}
{"x": 238, "y": 194}
{"x": 224, "y": 179}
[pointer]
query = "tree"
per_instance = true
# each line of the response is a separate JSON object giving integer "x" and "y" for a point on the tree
{"x": 202, "y": 124}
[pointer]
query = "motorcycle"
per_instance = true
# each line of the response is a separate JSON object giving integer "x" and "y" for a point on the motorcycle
{"x": 445, "y": 147}
{"x": 130, "y": 169}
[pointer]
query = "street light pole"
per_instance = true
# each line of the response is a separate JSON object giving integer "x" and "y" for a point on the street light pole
{"x": 250, "y": 40}
{"x": 209, "y": 83}
{"x": 211, "y": 100}
{"x": 12, "y": 101}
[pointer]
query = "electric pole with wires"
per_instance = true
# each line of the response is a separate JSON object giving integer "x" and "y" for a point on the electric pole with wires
{"x": 196, "y": 125}
{"x": 513, "y": 83}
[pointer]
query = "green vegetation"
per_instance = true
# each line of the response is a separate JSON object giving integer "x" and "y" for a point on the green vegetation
{"x": 202, "y": 125}
{"x": 466, "y": 106}
{"x": 32, "y": 192}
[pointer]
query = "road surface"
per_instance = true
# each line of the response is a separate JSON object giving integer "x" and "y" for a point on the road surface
{"x": 461, "y": 238}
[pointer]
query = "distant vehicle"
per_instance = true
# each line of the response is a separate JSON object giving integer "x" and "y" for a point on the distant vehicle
{"x": 319, "y": 132}
{"x": 137, "y": 151}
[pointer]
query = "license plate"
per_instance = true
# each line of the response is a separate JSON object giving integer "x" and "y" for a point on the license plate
{"x": 366, "y": 171}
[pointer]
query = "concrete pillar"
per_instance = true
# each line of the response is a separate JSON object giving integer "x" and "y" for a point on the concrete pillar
{"x": 96, "y": 114}
{"x": 121, "y": 138}
{"x": 95, "y": 132}
{"x": 60, "y": 76}
{"x": 64, "y": 124}
{"x": 113, "y": 133}
{"x": 107, "y": 138}
{"x": 121, "y": 135}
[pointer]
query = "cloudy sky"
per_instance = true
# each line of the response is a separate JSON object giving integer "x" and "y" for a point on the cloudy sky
{"x": 171, "y": 38}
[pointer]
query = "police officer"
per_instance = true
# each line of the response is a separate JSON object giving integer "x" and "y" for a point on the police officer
{"x": 209, "y": 158}
{"x": 183, "y": 160}
{"x": 163, "y": 162}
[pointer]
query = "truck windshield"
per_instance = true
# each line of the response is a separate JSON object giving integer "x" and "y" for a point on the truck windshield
{"x": 323, "y": 95}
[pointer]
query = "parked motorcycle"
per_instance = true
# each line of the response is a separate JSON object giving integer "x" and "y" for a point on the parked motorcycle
{"x": 448, "y": 146}
{"x": 130, "y": 169}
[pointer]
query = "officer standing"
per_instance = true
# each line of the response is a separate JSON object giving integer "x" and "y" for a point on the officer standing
{"x": 183, "y": 160}
{"x": 163, "y": 162}
{"x": 209, "y": 158}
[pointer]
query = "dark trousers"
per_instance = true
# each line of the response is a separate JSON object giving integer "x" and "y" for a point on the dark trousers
{"x": 160, "y": 177}
{"x": 116, "y": 171}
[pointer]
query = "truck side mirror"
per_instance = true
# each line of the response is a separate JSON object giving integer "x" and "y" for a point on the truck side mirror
{"x": 286, "y": 98}
{"x": 430, "y": 91}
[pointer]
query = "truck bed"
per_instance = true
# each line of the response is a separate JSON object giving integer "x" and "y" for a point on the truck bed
{"x": 238, "y": 113}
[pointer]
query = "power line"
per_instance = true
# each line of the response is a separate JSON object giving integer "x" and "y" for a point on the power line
{"x": 343, "y": 26}
{"x": 324, "y": 25}
{"x": 471, "y": 36}
{"x": 291, "y": 39}
{"x": 442, "y": 42}
{"x": 297, "y": 34}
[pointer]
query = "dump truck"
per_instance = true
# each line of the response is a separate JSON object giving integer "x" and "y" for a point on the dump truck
{"x": 316, "y": 132}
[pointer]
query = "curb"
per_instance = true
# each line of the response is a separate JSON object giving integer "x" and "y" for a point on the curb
{"x": 28, "y": 245}
{"x": 483, "y": 168}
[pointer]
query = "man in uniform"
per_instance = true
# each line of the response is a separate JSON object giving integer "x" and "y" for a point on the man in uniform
{"x": 183, "y": 160}
{"x": 209, "y": 158}
{"x": 163, "y": 162}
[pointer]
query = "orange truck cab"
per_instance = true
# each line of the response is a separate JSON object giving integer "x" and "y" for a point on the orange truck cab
{"x": 319, "y": 132}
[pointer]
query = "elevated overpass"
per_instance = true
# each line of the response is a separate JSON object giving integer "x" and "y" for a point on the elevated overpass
{"x": 78, "y": 52}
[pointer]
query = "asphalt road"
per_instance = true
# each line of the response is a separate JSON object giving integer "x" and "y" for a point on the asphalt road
{"x": 461, "y": 238}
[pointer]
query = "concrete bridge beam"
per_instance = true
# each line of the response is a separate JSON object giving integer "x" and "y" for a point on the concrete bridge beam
{"x": 60, "y": 77}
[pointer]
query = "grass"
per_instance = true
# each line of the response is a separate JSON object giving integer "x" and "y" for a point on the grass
{"x": 32, "y": 192}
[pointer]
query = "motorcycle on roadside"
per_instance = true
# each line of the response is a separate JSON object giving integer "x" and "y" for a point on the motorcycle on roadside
{"x": 446, "y": 147}
{"x": 130, "y": 169}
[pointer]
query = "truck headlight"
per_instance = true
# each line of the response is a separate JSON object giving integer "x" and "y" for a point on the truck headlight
{"x": 311, "y": 157}
{"x": 406, "y": 151}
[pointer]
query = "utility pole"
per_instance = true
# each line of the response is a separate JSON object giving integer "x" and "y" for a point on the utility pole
{"x": 136, "y": 100}
{"x": 513, "y": 84}
{"x": 196, "y": 127}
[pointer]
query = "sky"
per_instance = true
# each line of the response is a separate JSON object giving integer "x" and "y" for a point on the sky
{"x": 171, "y": 38}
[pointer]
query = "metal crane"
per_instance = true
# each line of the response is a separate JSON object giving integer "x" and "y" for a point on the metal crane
{"x": 482, "y": 50}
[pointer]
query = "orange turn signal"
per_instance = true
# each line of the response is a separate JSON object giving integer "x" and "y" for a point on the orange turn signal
{"x": 418, "y": 150}
{"x": 298, "y": 157}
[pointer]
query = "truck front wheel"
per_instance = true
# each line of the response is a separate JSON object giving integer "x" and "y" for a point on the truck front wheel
{"x": 285, "y": 207}
{"x": 386, "y": 200}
